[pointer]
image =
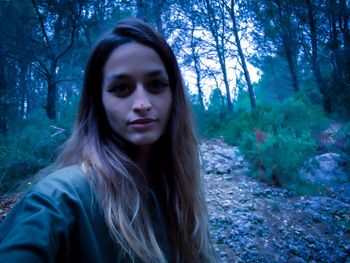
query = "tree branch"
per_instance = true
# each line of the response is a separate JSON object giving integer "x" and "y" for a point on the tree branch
{"x": 42, "y": 26}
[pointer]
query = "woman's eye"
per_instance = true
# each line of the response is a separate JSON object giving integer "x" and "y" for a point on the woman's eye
{"x": 157, "y": 86}
{"x": 121, "y": 90}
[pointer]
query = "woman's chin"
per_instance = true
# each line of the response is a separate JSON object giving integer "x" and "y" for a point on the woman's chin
{"x": 143, "y": 141}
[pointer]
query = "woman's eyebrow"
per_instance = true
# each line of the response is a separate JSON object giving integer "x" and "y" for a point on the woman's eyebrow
{"x": 157, "y": 72}
{"x": 123, "y": 76}
{"x": 115, "y": 77}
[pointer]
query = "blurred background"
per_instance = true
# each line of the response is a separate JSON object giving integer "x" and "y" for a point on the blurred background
{"x": 271, "y": 78}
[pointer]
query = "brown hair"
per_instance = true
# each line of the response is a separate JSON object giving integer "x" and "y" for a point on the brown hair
{"x": 116, "y": 178}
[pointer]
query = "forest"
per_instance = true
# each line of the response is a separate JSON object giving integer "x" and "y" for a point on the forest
{"x": 271, "y": 77}
{"x": 269, "y": 84}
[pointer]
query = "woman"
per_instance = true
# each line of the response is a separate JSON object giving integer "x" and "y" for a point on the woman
{"x": 126, "y": 187}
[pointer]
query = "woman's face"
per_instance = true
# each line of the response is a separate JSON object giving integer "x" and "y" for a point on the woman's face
{"x": 136, "y": 94}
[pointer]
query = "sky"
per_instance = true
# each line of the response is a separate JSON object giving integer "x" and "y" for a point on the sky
{"x": 233, "y": 67}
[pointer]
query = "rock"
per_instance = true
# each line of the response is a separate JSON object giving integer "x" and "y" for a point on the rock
{"x": 263, "y": 193}
{"x": 222, "y": 168}
{"x": 220, "y": 158}
{"x": 294, "y": 249}
{"x": 310, "y": 239}
{"x": 340, "y": 192}
{"x": 298, "y": 260}
{"x": 324, "y": 170}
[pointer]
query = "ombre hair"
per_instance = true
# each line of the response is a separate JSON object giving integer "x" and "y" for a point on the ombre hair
{"x": 120, "y": 185}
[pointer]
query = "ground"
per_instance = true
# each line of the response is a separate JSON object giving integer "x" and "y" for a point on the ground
{"x": 254, "y": 222}
{"x": 6, "y": 203}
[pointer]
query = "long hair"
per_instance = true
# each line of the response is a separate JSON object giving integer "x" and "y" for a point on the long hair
{"x": 120, "y": 184}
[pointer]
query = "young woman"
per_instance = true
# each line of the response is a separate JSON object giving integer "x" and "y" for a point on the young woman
{"x": 126, "y": 187}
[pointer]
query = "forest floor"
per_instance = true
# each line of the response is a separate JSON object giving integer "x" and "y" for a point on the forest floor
{"x": 255, "y": 222}
{"x": 6, "y": 203}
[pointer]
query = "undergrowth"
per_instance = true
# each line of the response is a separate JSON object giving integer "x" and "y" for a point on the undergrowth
{"x": 276, "y": 139}
{"x": 31, "y": 145}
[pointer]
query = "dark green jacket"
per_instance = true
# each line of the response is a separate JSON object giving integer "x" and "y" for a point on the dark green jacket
{"x": 59, "y": 220}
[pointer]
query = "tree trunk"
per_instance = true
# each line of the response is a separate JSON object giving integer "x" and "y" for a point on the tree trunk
{"x": 242, "y": 57}
{"x": 288, "y": 43}
{"x": 321, "y": 85}
{"x": 31, "y": 100}
{"x": 54, "y": 51}
{"x": 227, "y": 86}
{"x": 197, "y": 68}
{"x": 157, "y": 14}
{"x": 22, "y": 90}
{"x": 340, "y": 48}
{"x": 220, "y": 49}
{"x": 141, "y": 10}
{"x": 3, "y": 100}
{"x": 292, "y": 66}
{"x": 337, "y": 72}
{"x": 199, "y": 86}
{"x": 344, "y": 11}
{"x": 51, "y": 92}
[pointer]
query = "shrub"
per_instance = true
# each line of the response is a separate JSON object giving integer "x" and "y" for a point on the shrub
{"x": 210, "y": 124}
{"x": 277, "y": 157}
{"x": 342, "y": 138}
{"x": 277, "y": 139}
{"x": 30, "y": 146}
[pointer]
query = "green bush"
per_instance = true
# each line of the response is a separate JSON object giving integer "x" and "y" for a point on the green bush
{"x": 209, "y": 123}
{"x": 295, "y": 114}
{"x": 279, "y": 156}
{"x": 277, "y": 139}
{"x": 30, "y": 146}
{"x": 342, "y": 139}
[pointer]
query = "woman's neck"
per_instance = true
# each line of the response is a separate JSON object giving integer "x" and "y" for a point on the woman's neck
{"x": 143, "y": 158}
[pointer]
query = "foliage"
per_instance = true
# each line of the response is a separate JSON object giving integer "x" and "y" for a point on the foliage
{"x": 292, "y": 43}
{"x": 295, "y": 114}
{"x": 343, "y": 138}
{"x": 277, "y": 158}
{"x": 276, "y": 139}
{"x": 217, "y": 104}
{"x": 210, "y": 124}
{"x": 275, "y": 83}
{"x": 342, "y": 144}
{"x": 30, "y": 146}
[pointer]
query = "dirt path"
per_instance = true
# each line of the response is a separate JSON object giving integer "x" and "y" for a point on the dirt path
{"x": 252, "y": 222}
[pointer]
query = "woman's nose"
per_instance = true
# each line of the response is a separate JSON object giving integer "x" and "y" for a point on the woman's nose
{"x": 141, "y": 100}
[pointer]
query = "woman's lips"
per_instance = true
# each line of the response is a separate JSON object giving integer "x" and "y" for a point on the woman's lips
{"x": 142, "y": 124}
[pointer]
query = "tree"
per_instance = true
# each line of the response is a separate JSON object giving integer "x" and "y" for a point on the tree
{"x": 216, "y": 21}
{"x": 241, "y": 56}
{"x": 216, "y": 101}
{"x": 310, "y": 40}
{"x": 275, "y": 82}
{"x": 325, "y": 39}
{"x": 151, "y": 11}
{"x": 339, "y": 44}
{"x": 3, "y": 98}
{"x": 13, "y": 49}
{"x": 276, "y": 23}
{"x": 197, "y": 65}
{"x": 58, "y": 27}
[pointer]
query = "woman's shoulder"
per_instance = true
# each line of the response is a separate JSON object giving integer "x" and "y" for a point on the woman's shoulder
{"x": 60, "y": 212}
{"x": 67, "y": 189}
{"x": 65, "y": 194}
{"x": 68, "y": 180}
